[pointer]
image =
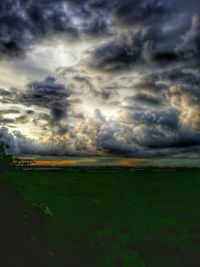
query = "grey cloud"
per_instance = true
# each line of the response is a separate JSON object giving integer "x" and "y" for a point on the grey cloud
{"x": 156, "y": 40}
{"x": 151, "y": 83}
{"x": 4, "y": 93}
{"x": 142, "y": 12}
{"x": 30, "y": 112}
{"x": 10, "y": 111}
{"x": 24, "y": 23}
{"x": 154, "y": 46}
{"x": 10, "y": 49}
{"x": 16, "y": 143}
{"x": 189, "y": 48}
{"x": 86, "y": 80}
{"x": 188, "y": 80}
{"x": 130, "y": 50}
{"x": 160, "y": 129}
{"x": 118, "y": 54}
{"x": 6, "y": 121}
{"x": 47, "y": 94}
{"x": 146, "y": 99}
{"x": 147, "y": 134}
{"x": 7, "y": 139}
{"x": 167, "y": 118}
{"x": 22, "y": 119}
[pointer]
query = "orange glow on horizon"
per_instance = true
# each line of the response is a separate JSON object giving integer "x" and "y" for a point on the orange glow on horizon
{"x": 54, "y": 163}
{"x": 93, "y": 162}
{"x": 128, "y": 162}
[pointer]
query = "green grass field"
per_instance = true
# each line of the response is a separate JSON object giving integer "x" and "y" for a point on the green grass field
{"x": 116, "y": 219}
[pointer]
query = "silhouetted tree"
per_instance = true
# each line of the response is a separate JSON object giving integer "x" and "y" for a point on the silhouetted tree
{"x": 8, "y": 162}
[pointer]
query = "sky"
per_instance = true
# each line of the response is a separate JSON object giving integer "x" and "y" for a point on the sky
{"x": 97, "y": 78}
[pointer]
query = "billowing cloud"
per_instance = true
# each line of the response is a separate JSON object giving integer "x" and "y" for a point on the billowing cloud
{"x": 189, "y": 47}
{"x": 47, "y": 94}
{"x": 24, "y": 23}
{"x": 97, "y": 77}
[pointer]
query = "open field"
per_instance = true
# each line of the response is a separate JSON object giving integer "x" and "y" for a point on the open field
{"x": 105, "y": 218}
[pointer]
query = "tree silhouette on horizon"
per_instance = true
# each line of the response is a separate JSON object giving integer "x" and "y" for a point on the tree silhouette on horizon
{"x": 8, "y": 161}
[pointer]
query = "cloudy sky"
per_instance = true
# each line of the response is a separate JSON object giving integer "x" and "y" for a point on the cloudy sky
{"x": 100, "y": 78}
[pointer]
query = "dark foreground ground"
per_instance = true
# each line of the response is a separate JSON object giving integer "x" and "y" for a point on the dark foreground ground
{"x": 100, "y": 219}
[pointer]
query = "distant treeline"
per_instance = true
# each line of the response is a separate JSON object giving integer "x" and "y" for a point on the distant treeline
{"x": 110, "y": 168}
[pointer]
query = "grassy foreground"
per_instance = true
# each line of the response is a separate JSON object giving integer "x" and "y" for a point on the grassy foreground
{"x": 110, "y": 219}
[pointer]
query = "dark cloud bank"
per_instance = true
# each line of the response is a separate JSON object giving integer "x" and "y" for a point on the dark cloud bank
{"x": 159, "y": 40}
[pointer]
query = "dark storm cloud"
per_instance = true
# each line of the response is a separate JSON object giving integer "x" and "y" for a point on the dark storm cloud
{"x": 146, "y": 134}
{"x": 115, "y": 147}
{"x": 24, "y": 22}
{"x": 10, "y": 49}
{"x": 16, "y": 143}
{"x": 145, "y": 99}
{"x": 6, "y": 138}
{"x": 119, "y": 53}
{"x": 160, "y": 129}
{"x": 30, "y": 112}
{"x": 175, "y": 140}
{"x": 159, "y": 40}
{"x": 136, "y": 49}
{"x": 163, "y": 34}
{"x": 166, "y": 119}
{"x": 187, "y": 79}
{"x": 47, "y": 94}
{"x": 151, "y": 83}
{"x": 181, "y": 76}
{"x": 143, "y": 12}
{"x": 189, "y": 48}
{"x": 5, "y": 93}
{"x": 130, "y": 50}
{"x": 5, "y": 121}
{"x": 101, "y": 93}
